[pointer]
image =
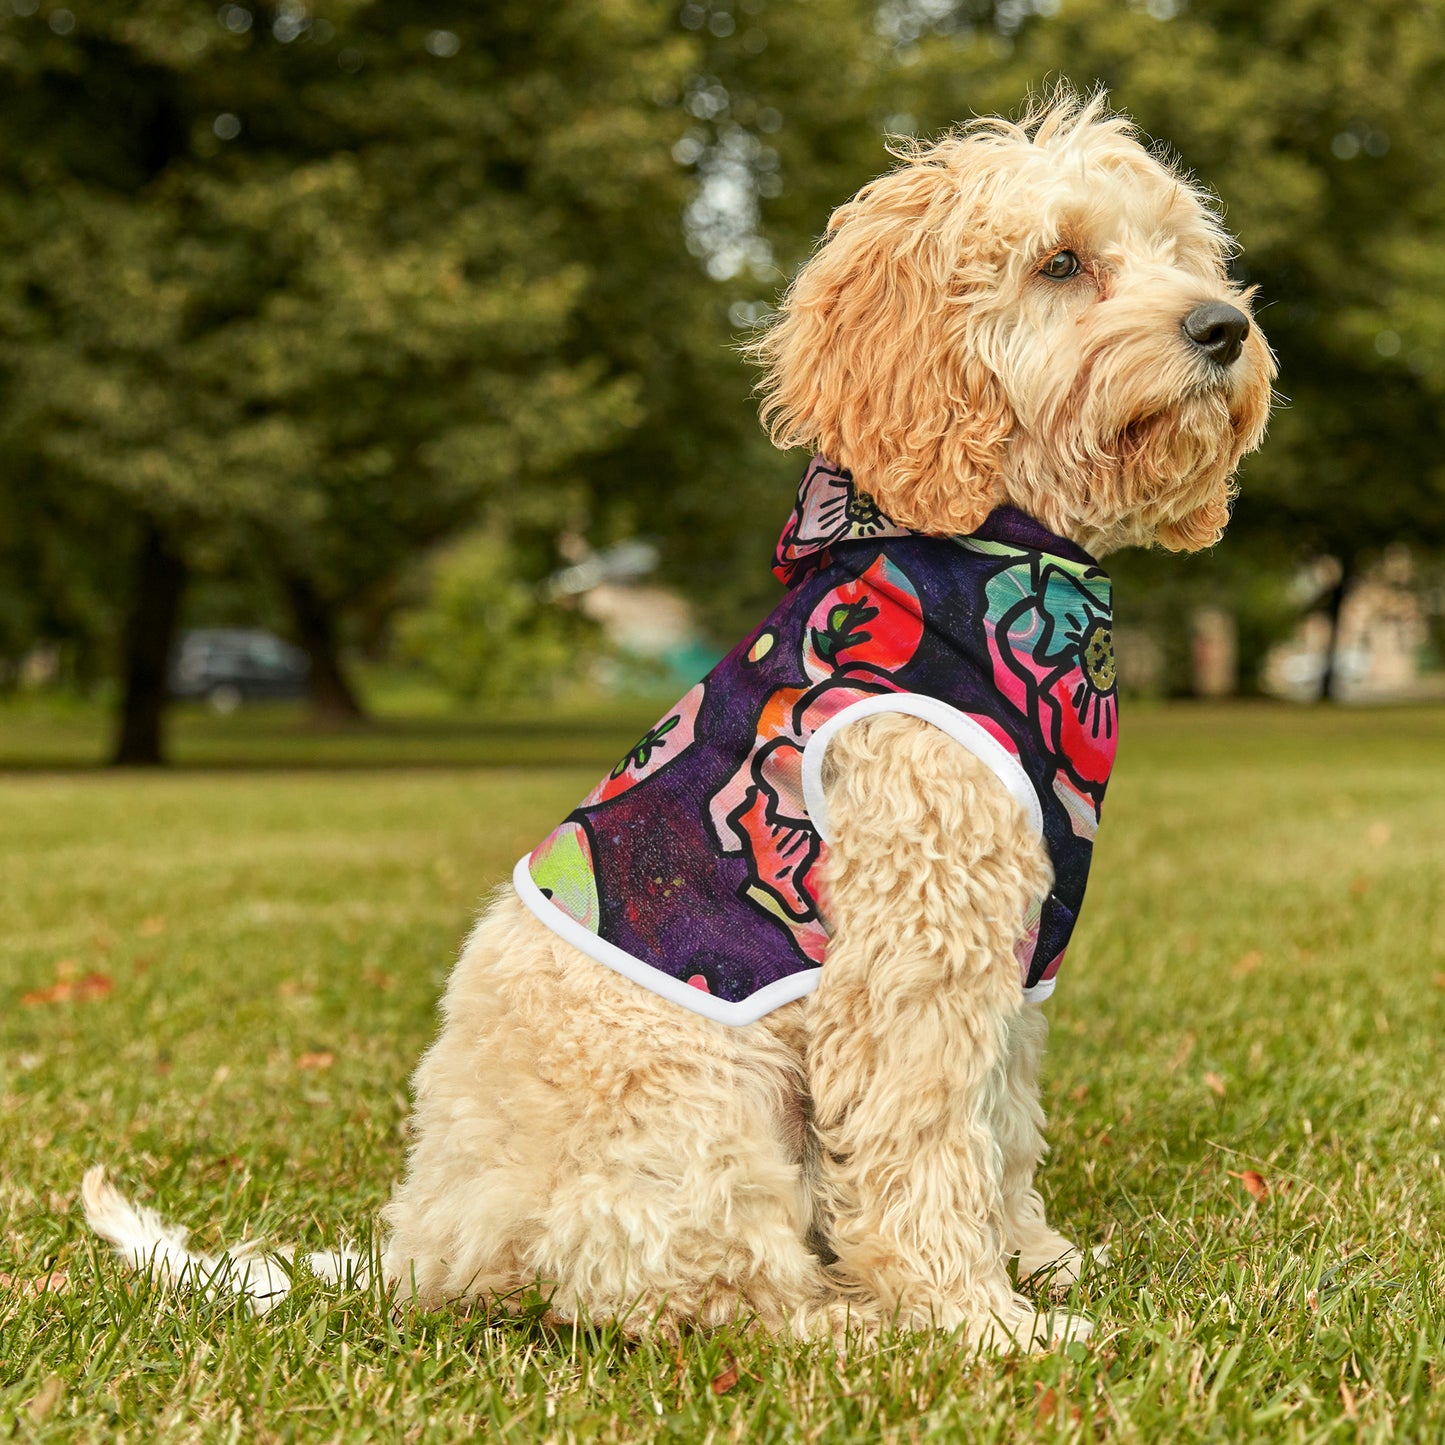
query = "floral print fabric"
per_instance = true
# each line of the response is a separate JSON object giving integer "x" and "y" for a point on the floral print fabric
{"x": 694, "y": 860}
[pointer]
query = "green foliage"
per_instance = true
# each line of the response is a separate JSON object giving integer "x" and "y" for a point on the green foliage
{"x": 484, "y": 633}
{"x": 1246, "y": 923}
{"x": 1316, "y": 122}
{"x": 778, "y": 120}
{"x": 321, "y": 285}
{"x": 59, "y": 571}
{"x": 312, "y": 292}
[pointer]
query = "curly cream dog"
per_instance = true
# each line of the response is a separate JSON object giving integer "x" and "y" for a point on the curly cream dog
{"x": 1032, "y": 315}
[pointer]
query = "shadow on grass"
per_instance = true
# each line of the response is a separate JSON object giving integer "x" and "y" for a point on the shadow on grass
{"x": 594, "y": 733}
{"x": 279, "y": 737}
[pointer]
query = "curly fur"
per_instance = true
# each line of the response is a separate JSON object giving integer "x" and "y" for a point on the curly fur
{"x": 866, "y": 1156}
{"x": 642, "y": 1163}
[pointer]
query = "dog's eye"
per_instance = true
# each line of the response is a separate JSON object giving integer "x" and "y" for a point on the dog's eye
{"x": 1061, "y": 266}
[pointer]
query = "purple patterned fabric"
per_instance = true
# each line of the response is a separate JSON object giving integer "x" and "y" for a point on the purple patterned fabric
{"x": 694, "y": 865}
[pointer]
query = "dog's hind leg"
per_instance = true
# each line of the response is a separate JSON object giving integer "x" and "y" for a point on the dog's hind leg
{"x": 931, "y": 872}
{"x": 577, "y": 1135}
{"x": 680, "y": 1196}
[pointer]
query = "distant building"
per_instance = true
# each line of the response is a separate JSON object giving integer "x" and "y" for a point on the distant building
{"x": 1383, "y": 640}
{"x": 645, "y": 623}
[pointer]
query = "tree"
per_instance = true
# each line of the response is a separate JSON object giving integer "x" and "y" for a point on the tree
{"x": 304, "y": 282}
{"x": 1317, "y": 123}
{"x": 323, "y": 285}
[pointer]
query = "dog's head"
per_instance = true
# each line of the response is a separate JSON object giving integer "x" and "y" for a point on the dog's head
{"x": 1035, "y": 313}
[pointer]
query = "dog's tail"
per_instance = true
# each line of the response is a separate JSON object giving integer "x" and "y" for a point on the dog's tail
{"x": 147, "y": 1243}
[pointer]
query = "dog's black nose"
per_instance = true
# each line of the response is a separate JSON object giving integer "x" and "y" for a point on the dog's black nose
{"x": 1217, "y": 330}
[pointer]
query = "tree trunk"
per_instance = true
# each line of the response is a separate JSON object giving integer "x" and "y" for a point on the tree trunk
{"x": 333, "y": 699}
{"x": 150, "y": 630}
{"x": 1329, "y": 675}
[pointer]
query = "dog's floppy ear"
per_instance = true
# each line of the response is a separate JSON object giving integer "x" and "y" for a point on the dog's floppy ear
{"x": 871, "y": 359}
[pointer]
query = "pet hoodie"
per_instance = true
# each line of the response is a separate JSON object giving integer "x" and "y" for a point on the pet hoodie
{"x": 693, "y": 866}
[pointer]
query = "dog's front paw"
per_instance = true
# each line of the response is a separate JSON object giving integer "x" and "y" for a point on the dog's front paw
{"x": 1060, "y": 1327}
{"x": 1023, "y": 1326}
{"x": 1058, "y": 1265}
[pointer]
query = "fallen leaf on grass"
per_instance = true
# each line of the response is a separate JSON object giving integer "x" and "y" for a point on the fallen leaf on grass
{"x": 56, "y": 993}
{"x": 1255, "y": 1184}
{"x": 1214, "y": 1083}
{"x": 56, "y": 1282}
{"x": 1045, "y": 1409}
{"x": 66, "y": 990}
{"x": 724, "y": 1382}
{"x": 1247, "y": 965}
{"x": 46, "y": 1398}
{"x": 321, "y": 1059}
{"x": 1181, "y": 1054}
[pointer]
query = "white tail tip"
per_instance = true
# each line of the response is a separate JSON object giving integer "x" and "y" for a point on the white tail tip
{"x": 148, "y": 1244}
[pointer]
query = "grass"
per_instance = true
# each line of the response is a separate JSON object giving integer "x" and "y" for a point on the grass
{"x": 412, "y": 727}
{"x": 1258, "y": 985}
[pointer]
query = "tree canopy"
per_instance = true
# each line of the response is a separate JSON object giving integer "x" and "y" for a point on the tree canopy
{"x": 312, "y": 286}
{"x": 302, "y": 289}
{"x": 1315, "y": 123}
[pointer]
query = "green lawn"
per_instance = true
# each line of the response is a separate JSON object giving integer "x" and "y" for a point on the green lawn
{"x": 1258, "y": 985}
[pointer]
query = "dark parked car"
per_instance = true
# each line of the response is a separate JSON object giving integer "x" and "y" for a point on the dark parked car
{"x": 230, "y": 665}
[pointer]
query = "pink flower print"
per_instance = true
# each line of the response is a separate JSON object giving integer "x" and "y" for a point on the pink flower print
{"x": 759, "y": 812}
{"x": 829, "y": 509}
{"x": 781, "y": 848}
{"x": 730, "y": 802}
{"x": 660, "y": 745}
{"x": 855, "y": 638}
{"x": 1051, "y": 643}
{"x": 874, "y": 621}
{"x": 772, "y": 819}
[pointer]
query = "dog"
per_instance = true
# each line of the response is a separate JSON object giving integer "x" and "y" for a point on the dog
{"x": 702, "y": 1063}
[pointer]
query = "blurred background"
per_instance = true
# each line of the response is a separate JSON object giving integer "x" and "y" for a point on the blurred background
{"x": 363, "y": 362}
